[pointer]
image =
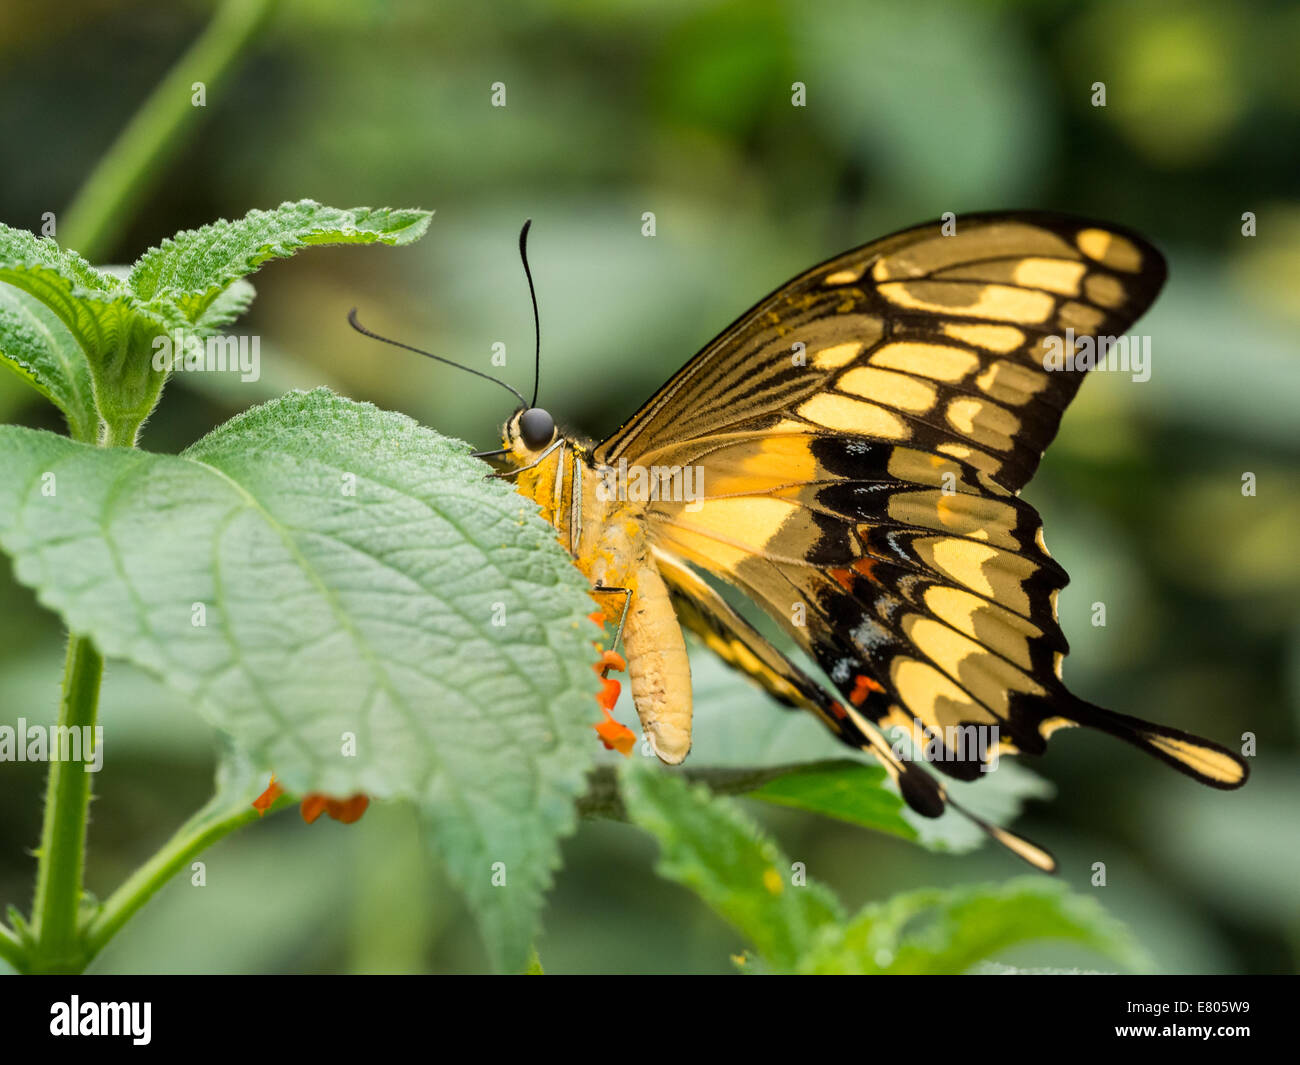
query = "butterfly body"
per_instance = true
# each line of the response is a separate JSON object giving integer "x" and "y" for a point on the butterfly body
{"x": 849, "y": 455}
{"x": 606, "y": 532}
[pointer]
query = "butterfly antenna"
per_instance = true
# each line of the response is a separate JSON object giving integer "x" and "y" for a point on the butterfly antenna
{"x": 352, "y": 321}
{"x": 537, "y": 322}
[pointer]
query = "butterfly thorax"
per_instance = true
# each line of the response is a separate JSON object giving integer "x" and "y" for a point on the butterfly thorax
{"x": 605, "y": 532}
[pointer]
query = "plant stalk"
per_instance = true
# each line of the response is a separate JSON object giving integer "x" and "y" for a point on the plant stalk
{"x": 63, "y": 835}
{"x": 221, "y": 816}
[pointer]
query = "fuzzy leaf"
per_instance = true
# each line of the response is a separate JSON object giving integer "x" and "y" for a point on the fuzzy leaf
{"x": 47, "y": 263}
{"x": 315, "y": 574}
{"x": 187, "y": 288}
{"x": 843, "y": 789}
{"x": 948, "y": 932}
{"x": 114, "y": 329}
{"x": 40, "y": 349}
{"x": 196, "y": 266}
{"x": 708, "y": 845}
{"x": 228, "y": 305}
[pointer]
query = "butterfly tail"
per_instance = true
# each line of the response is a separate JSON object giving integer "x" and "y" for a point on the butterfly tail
{"x": 924, "y": 794}
{"x": 1200, "y": 759}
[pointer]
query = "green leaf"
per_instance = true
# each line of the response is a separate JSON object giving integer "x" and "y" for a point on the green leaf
{"x": 947, "y": 932}
{"x": 843, "y": 789}
{"x": 347, "y": 566}
{"x": 229, "y": 305}
{"x": 114, "y": 330}
{"x": 187, "y": 288}
{"x": 44, "y": 263}
{"x": 40, "y": 349}
{"x": 708, "y": 845}
{"x": 196, "y": 266}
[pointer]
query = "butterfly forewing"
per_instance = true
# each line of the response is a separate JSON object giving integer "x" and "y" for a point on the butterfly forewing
{"x": 931, "y": 340}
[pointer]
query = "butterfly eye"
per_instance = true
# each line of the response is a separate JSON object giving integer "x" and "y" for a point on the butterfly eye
{"x": 537, "y": 427}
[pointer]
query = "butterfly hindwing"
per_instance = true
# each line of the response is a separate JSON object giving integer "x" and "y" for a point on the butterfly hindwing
{"x": 704, "y": 612}
{"x": 724, "y": 632}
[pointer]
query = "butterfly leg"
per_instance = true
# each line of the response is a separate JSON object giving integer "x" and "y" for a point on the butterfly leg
{"x": 506, "y": 474}
{"x": 601, "y": 589}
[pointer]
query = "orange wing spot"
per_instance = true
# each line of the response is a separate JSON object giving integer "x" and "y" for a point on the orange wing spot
{"x": 845, "y": 577}
{"x": 839, "y": 711}
{"x": 865, "y": 566}
{"x": 345, "y": 811}
{"x": 263, "y": 802}
{"x": 862, "y": 687}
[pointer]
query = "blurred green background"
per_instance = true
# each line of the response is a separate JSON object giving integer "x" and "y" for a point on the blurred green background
{"x": 684, "y": 109}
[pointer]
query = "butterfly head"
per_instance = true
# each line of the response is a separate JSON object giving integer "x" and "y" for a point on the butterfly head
{"x": 530, "y": 431}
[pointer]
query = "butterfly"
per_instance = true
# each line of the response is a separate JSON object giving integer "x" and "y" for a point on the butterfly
{"x": 848, "y": 455}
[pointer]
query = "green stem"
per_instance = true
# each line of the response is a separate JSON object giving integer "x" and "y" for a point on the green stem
{"x": 120, "y": 434}
{"x": 221, "y": 816}
{"x": 104, "y": 203}
{"x": 63, "y": 835}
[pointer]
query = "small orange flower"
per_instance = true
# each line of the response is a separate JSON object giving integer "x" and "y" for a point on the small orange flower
{"x": 613, "y": 733}
{"x": 346, "y": 811}
{"x": 609, "y": 692}
{"x": 315, "y": 804}
{"x": 263, "y": 802}
{"x": 610, "y": 660}
{"x": 312, "y": 807}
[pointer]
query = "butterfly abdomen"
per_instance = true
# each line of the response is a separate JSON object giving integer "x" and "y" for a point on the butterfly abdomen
{"x": 658, "y": 669}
